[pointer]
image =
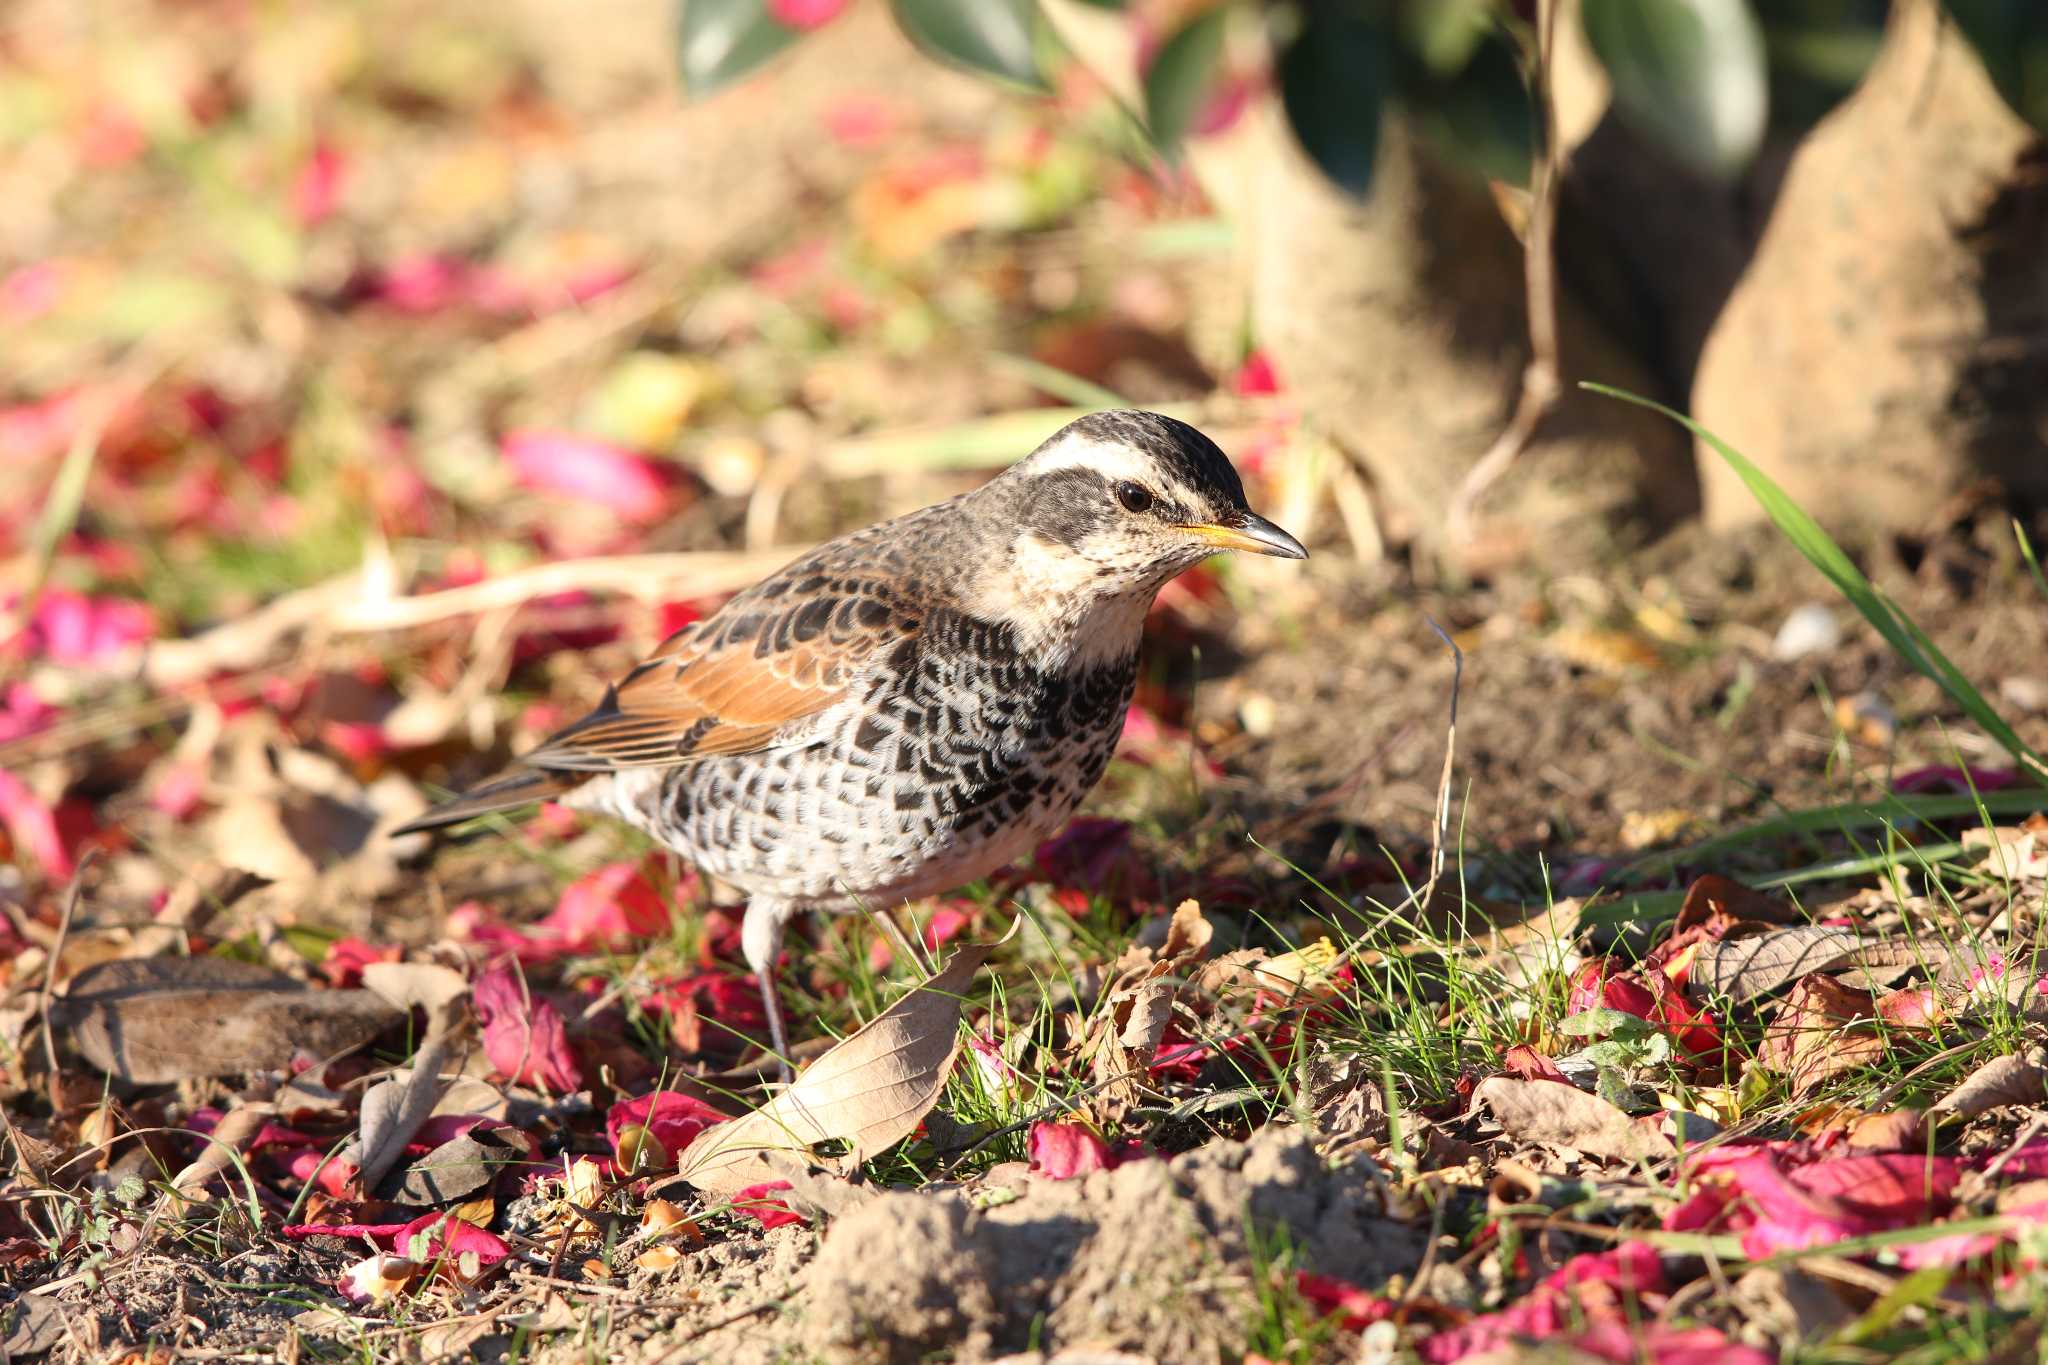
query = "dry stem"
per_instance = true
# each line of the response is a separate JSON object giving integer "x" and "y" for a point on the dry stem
{"x": 1541, "y": 382}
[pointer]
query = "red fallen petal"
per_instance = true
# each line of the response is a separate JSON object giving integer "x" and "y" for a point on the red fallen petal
{"x": 673, "y": 1120}
{"x": 769, "y": 1213}
{"x": 335, "y": 1175}
{"x": 358, "y": 741}
{"x": 1916, "y": 1007}
{"x": 346, "y": 957}
{"x": 732, "y": 1000}
{"x": 1094, "y": 854}
{"x": 1587, "y": 1286}
{"x": 1355, "y": 1308}
{"x": 524, "y": 1038}
{"x": 606, "y": 908}
{"x": 1885, "y": 1184}
{"x": 628, "y": 483}
{"x": 1061, "y": 1151}
{"x": 805, "y": 15}
{"x": 445, "y": 1128}
{"x": 1531, "y": 1065}
{"x": 452, "y": 1236}
{"x": 32, "y": 825}
{"x": 675, "y": 616}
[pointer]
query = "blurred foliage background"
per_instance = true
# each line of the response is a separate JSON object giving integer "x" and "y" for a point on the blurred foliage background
{"x": 323, "y": 322}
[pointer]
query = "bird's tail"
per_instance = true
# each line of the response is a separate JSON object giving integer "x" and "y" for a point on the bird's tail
{"x": 523, "y": 787}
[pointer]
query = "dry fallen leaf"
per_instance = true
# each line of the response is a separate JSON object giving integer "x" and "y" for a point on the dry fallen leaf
{"x": 393, "y": 1109}
{"x": 1746, "y": 968}
{"x": 869, "y": 1091}
{"x": 1138, "y": 1004}
{"x": 156, "y": 1020}
{"x": 1813, "y": 1037}
{"x": 1553, "y": 1112}
{"x": 2013, "y": 1079}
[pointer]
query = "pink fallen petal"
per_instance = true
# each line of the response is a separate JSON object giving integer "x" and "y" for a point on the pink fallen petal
{"x": 753, "y": 1201}
{"x": 422, "y": 284}
{"x": 41, "y": 430}
{"x": 376, "y": 1277}
{"x": 333, "y": 1174}
{"x": 73, "y": 629}
{"x": 583, "y": 467}
{"x": 606, "y": 909}
{"x": 30, "y": 291}
{"x": 316, "y": 190}
{"x": 1914, "y": 1007}
{"x": 1652, "y": 1343}
{"x": 671, "y": 1119}
{"x": 180, "y": 790}
{"x": 32, "y": 826}
{"x": 1939, "y": 778}
{"x": 22, "y": 712}
{"x": 1586, "y": 1289}
{"x": 861, "y": 121}
{"x": 524, "y": 1037}
{"x": 448, "y": 1238}
{"x": 805, "y": 15}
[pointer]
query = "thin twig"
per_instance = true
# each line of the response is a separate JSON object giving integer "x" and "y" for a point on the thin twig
{"x": 1440, "y": 835}
{"x": 1541, "y": 381}
{"x": 49, "y": 985}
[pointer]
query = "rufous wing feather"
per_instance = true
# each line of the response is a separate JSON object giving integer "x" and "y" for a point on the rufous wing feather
{"x": 743, "y": 680}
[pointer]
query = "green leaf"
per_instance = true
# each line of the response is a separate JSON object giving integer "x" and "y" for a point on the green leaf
{"x": 993, "y": 37}
{"x": 1590, "y": 1023}
{"x": 2011, "y": 37}
{"x": 1179, "y": 77}
{"x": 1333, "y": 84}
{"x": 1478, "y": 115}
{"x": 1688, "y": 73}
{"x": 719, "y": 41}
{"x": 1899, "y": 630}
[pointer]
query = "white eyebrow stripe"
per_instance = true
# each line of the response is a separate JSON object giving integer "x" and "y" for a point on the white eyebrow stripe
{"x": 1108, "y": 458}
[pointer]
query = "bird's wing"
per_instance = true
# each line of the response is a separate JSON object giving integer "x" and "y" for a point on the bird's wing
{"x": 744, "y": 679}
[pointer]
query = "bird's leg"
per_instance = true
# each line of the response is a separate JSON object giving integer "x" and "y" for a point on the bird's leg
{"x": 761, "y": 932}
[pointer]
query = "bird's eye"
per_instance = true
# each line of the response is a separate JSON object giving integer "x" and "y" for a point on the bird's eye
{"x": 1134, "y": 497}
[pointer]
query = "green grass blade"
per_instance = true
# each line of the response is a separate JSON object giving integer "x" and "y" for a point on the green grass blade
{"x": 1906, "y": 638}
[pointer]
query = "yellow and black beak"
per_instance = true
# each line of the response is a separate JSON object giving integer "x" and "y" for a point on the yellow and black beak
{"x": 1249, "y": 531}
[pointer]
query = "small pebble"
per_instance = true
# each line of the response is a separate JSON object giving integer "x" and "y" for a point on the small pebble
{"x": 1811, "y": 629}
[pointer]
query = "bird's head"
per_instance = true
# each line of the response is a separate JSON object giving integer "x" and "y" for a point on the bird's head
{"x": 1117, "y": 503}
